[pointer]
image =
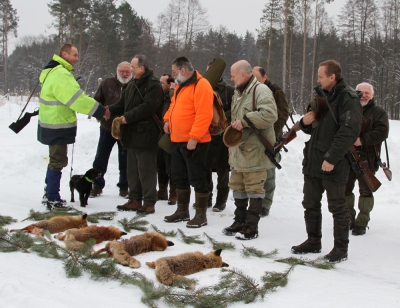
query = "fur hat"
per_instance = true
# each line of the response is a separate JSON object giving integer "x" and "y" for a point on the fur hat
{"x": 116, "y": 128}
{"x": 232, "y": 137}
{"x": 319, "y": 106}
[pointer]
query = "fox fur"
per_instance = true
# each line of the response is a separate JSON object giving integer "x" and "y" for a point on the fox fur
{"x": 56, "y": 224}
{"x": 74, "y": 239}
{"x": 172, "y": 269}
{"x": 123, "y": 251}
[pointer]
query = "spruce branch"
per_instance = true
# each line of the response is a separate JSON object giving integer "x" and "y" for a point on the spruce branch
{"x": 220, "y": 245}
{"x": 5, "y": 220}
{"x": 15, "y": 241}
{"x": 251, "y": 251}
{"x": 93, "y": 218}
{"x": 320, "y": 263}
{"x": 135, "y": 223}
{"x": 273, "y": 280}
{"x": 166, "y": 234}
{"x": 190, "y": 239}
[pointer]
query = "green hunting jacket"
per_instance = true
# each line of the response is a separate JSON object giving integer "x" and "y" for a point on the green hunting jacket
{"x": 142, "y": 98}
{"x": 250, "y": 156}
{"x": 329, "y": 141}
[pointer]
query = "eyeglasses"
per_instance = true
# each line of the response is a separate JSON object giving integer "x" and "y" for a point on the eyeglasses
{"x": 125, "y": 72}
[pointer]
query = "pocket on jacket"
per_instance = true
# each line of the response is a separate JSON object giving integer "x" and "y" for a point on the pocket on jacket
{"x": 142, "y": 127}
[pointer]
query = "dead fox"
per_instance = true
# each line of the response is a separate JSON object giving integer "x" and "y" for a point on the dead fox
{"x": 56, "y": 224}
{"x": 122, "y": 251}
{"x": 170, "y": 269}
{"x": 74, "y": 239}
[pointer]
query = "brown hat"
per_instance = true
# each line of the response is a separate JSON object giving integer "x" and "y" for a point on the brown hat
{"x": 232, "y": 137}
{"x": 116, "y": 128}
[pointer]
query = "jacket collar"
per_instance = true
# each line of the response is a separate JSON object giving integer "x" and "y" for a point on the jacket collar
{"x": 241, "y": 89}
{"x": 57, "y": 60}
{"x": 148, "y": 73}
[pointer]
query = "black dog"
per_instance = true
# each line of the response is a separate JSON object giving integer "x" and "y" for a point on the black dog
{"x": 83, "y": 184}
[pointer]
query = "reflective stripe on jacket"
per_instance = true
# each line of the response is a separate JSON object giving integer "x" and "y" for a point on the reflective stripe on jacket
{"x": 61, "y": 97}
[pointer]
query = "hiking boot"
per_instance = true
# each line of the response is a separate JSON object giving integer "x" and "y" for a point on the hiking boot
{"x": 247, "y": 233}
{"x": 311, "y": 245}
{"x": 162, "y": 193}
{"x": 131, "y": 205}
{"x": 200, "y": 219}
{"x": 341, "y": 242}
{"x": 233, "y": 229}
{"x": 58, "y": 204}
{"x": 124, "y": 192}
{"x": 96, "y": 191}
{"x": 358, "y": 230}
{"x": 182, "y": 211}
{"x": 264, "y": 212}
{"x": 172, "y": 194}
{"x": 219, "y": 207}
{"x": 146, "y": 209}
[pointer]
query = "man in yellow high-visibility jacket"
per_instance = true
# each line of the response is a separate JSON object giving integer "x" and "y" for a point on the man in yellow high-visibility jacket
{"x": 61, "y": 97}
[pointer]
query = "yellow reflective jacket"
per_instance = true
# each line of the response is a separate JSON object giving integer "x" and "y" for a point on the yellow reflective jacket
{"x": 61, "y": 97}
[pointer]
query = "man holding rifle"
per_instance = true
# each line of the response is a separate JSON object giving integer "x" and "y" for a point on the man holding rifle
{"x": 325, "y": 166}
{"x": 252, "y": 103}
{"x": 374, "y": 130}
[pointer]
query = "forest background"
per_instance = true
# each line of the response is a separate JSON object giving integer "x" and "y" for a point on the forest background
{"x": 292, "y": 38}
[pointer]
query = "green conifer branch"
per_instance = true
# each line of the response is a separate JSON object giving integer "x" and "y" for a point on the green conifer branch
{"x": 190, "y": 239}
{"x": 220, "y": 245}
{"x": 93, "y": 218}
{"x": 15, "y": 241}
{"x": 166, "y": 234}
{"x": 320, "y": 263}
{"x": 135, "y": 223}
{"x": 251, "y": 251}
{"x": 5, "y": 220}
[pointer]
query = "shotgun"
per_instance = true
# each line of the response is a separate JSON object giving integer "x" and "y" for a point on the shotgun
{"x": 285, "y": 138}
{"x": 362, "y": 166}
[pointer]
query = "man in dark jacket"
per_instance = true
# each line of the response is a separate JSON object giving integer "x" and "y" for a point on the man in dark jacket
{"x": 218, "y": 155}
{"x": 325, "y": 166}
{"x": 141, "y": 100}
{"x": 108, "y": 93}
{"x": 164, "y": 158}
{"x": 374, "y": 130}
{"x": 282, "y": 108}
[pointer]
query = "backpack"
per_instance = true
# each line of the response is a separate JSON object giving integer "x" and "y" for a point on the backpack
{"x": 219, "y": 121}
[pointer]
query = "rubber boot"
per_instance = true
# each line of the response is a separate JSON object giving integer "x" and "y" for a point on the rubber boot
{"x": 341, "y": 243}
{"x": 240, "y": 217}
{"x": 365, "y": 205}
{"x": 200, "y": 219}
{"x": 182, "y": 211}
{"x": 172, "y": 194}
{"x": 250, "y": 229}
{"x": 350, "y": 205}
{"x": 313, "y": 242}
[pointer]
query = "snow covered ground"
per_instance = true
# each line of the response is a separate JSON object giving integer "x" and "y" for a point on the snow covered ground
{"x": 369, "y": 278}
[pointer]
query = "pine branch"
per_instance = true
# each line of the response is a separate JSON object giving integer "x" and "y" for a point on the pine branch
{"x": 15, "y": 241}
{"x": 220, "y": 245}
{"x": 5, "y": 220}
{"x": 135, "y": 223}
{"x": 317, "y": 263}
{"x": 93, "y": 218}
{"x": 166, "y": 234}
{"x": 190, "y": 239}
{"x": 273, "y": 280}
{"x": 251, "y": 251}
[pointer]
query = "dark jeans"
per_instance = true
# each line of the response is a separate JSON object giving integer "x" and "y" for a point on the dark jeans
{"x": 314, "y": 188}
{"x": 142, "y": 175}
{"x": 222, "y": 184}
{"x": 187, "y": 171}
{"x": 104, "y": 148}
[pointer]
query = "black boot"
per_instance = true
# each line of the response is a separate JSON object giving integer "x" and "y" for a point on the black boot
{"x": 240, "y": 217}
{"x": 341, "y": 243}
{"x": 313, "y": 243}
{"x": 182, "y": 211}
{"x": 250, "y": 229}
{"x": 200, "y": 219}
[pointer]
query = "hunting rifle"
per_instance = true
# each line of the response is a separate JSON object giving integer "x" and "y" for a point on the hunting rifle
{"x": 286, "y": 138}
{"x": 362, "y": 168}
{"x": 269, "y": 150}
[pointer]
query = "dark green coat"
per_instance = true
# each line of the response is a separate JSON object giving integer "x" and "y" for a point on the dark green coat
{"x": 218, "y": 154}
{"x": 330, "y": 142}
{"x": 141, "y": 130}
{"x": 374, "y": 131}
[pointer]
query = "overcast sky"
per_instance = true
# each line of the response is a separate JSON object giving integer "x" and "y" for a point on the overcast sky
{"x": 236, "y": 15}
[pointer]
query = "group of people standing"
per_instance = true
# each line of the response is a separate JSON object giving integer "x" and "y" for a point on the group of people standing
{"x": 181, "y": 105}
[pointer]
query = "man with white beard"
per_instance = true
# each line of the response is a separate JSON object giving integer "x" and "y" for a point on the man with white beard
{"x": 108, "y": 93}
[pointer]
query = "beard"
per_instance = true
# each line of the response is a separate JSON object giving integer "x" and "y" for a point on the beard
{"x": 124, "y": 80}
{"x": 180, "y": 79}
{"x": 364, "y": 102}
